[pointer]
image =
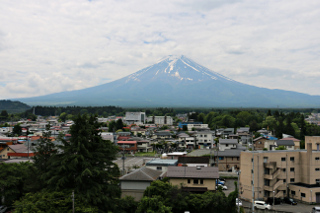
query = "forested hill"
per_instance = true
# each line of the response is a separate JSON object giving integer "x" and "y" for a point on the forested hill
{"x": 13, "y": 106}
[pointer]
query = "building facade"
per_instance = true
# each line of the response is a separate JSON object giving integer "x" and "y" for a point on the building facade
{"x": 281, "y": 173}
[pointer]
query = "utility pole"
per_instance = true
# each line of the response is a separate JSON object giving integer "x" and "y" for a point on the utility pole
{"x": 72, "y": 201}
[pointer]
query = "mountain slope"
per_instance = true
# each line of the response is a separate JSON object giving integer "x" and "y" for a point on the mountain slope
{"x": 177, "y": 81}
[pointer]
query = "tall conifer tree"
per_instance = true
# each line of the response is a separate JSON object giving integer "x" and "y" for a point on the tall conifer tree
{"x": 85, "y": 165}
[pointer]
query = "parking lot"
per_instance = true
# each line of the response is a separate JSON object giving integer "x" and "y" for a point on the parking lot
{"x": 132, "y": 162}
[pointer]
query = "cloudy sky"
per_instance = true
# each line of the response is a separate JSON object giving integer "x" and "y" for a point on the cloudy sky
{"x": 59, "y": 45}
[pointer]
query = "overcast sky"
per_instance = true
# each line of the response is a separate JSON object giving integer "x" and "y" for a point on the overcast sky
{"x": 59, "y": 45}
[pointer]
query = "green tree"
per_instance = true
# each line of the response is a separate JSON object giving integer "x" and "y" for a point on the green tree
{"x": 17, "y": 130}
{"x": 85, "y": 165}
{"x": 119, "y": 124}
{"x": 51, "y": 202}
{"x": 4, "y": 114}
{"x": 152, "y": 205}
{"x": 46, "y": 148}
{"x": 127, "y": 205}
{"x": 13, "y": 179}
{"x": 63, "y": 117}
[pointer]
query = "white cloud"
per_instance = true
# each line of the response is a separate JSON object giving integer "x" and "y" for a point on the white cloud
{"x": 53, "y": 46}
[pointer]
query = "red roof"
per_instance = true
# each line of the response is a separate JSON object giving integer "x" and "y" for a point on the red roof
{"x": 293, "y": 139}
{"x": 127, "y": 142}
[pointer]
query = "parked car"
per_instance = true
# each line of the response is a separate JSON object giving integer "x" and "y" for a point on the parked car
{"x": 316, "y": 209}
{"x": 219, "y": 182}
{"x": 223, "y": 187}
{"x": 238, "y": 202}
{"x": 289, "y": 201}
{"x": 276, "y": 201}
{"x": 261, "y": 205}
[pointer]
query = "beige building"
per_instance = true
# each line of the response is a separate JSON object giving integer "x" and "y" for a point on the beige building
{"x": 314, "y": 140}
{"x": 193, "y": 179}
{"x": 282, "y": 173}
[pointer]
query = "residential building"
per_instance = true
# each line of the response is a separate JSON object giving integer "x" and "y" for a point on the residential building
{"x": 135, "y": 183}
{"x": 281, "y": 173}
{"x": 204, "y": 139}
{"x": 161, "y": 120}
{"x": 128, "y": 146}
{"x": 193, "y": 161}
{"x": 193, "y": 179}
{"x": 227, "y": 144}
{"x": 258, "y": 143}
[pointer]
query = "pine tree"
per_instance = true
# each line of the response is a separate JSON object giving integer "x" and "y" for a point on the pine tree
{"x": 45, "y": 149}
{"x": 85, "y": 165}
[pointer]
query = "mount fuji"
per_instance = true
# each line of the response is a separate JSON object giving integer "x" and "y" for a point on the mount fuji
{"x": 176, "y": 81}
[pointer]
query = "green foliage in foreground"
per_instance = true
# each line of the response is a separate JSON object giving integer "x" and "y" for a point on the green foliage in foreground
{"x": 161, "y": 196}
{"x": 51, "y": 202}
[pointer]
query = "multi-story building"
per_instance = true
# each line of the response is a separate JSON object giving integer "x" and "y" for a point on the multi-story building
{"x": 204, "y": 139}
{"x": 281, "y": 173}
{"x": 135, "y": 118}
{"x": 161, "y": 120}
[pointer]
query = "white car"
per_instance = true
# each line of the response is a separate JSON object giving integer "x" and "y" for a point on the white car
{"x": 223, "y": 187}
{"x": 261, "y": 205}
{"x": 238, "y": 202}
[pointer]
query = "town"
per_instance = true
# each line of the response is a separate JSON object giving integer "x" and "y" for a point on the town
{"x": 190, "y": 153}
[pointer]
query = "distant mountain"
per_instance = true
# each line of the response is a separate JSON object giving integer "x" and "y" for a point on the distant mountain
{"x": 13, "y": 106}
{"x": 181, "y": 82}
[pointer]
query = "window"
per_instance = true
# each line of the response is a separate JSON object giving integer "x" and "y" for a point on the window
{"x": 284, "y": 170}
{"x": 227, "y": 145}
{"x": 291, "y": 158}
{"x": 265, "y": 159}
{"x": 292, "y": 169}
{"x": 195, "y": 181}
{"x": 303, "y": 195}
{"x": 291, "y": 180}
{"x": 237, "y": 158}
{"x": 317, "y": 180}
{"x": 284, "y": 180}
{"x": 251, "y": 171}
{"x": 221, "y": 158}
{"x": 283, "y": 159}
{"x": 159, "y": 167}
{"x": 317, "y": 158}
{"x": 266, "y": 182}
{"x": 201, "y": 181}
{"x": 189, "y": 181}
{"x": 293, "y": 192}
{"x": 267, "y": 171}
{"x": 317, "y": 169}
{"x": 205, "y": 136}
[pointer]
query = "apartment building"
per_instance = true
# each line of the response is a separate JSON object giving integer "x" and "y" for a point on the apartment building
{"x": 161, "y": 120}
{"x": 281, "y": 173}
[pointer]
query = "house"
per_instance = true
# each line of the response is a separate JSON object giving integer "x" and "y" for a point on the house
{"x": 281, "y": 173}
{"x": 258, "y": 143}
{"x": 162, "y": 135}
{"x": 204, "y": 139}
{"x": 16, "y": 151}
{"x": 128, "y": 146}
{"x": 295, "y": 140}
{"x": 161, "y": 164}
{"x": 143, "y": 145}
{"x": 193, "y": 179}
{"x": 229, "y": 159}
{"x": 274, "y": 144}
{"x": 135, "y": 183}
{"x": 227, "y": 144}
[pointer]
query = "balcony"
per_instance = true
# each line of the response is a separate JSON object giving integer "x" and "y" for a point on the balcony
{"x": 268, "y": 188}
{"x": 279, "y": 194}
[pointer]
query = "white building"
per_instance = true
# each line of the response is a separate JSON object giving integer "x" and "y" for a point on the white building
{"x": 161, "y": 120}
{"x": 135, "y": 118}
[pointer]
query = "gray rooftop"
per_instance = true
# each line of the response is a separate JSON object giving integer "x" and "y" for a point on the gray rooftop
{"x": 192, "y": 172}
{"x": 285, "y": 143}
{"x": 142, "y": 174}
{"x": 228, "y": 141}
